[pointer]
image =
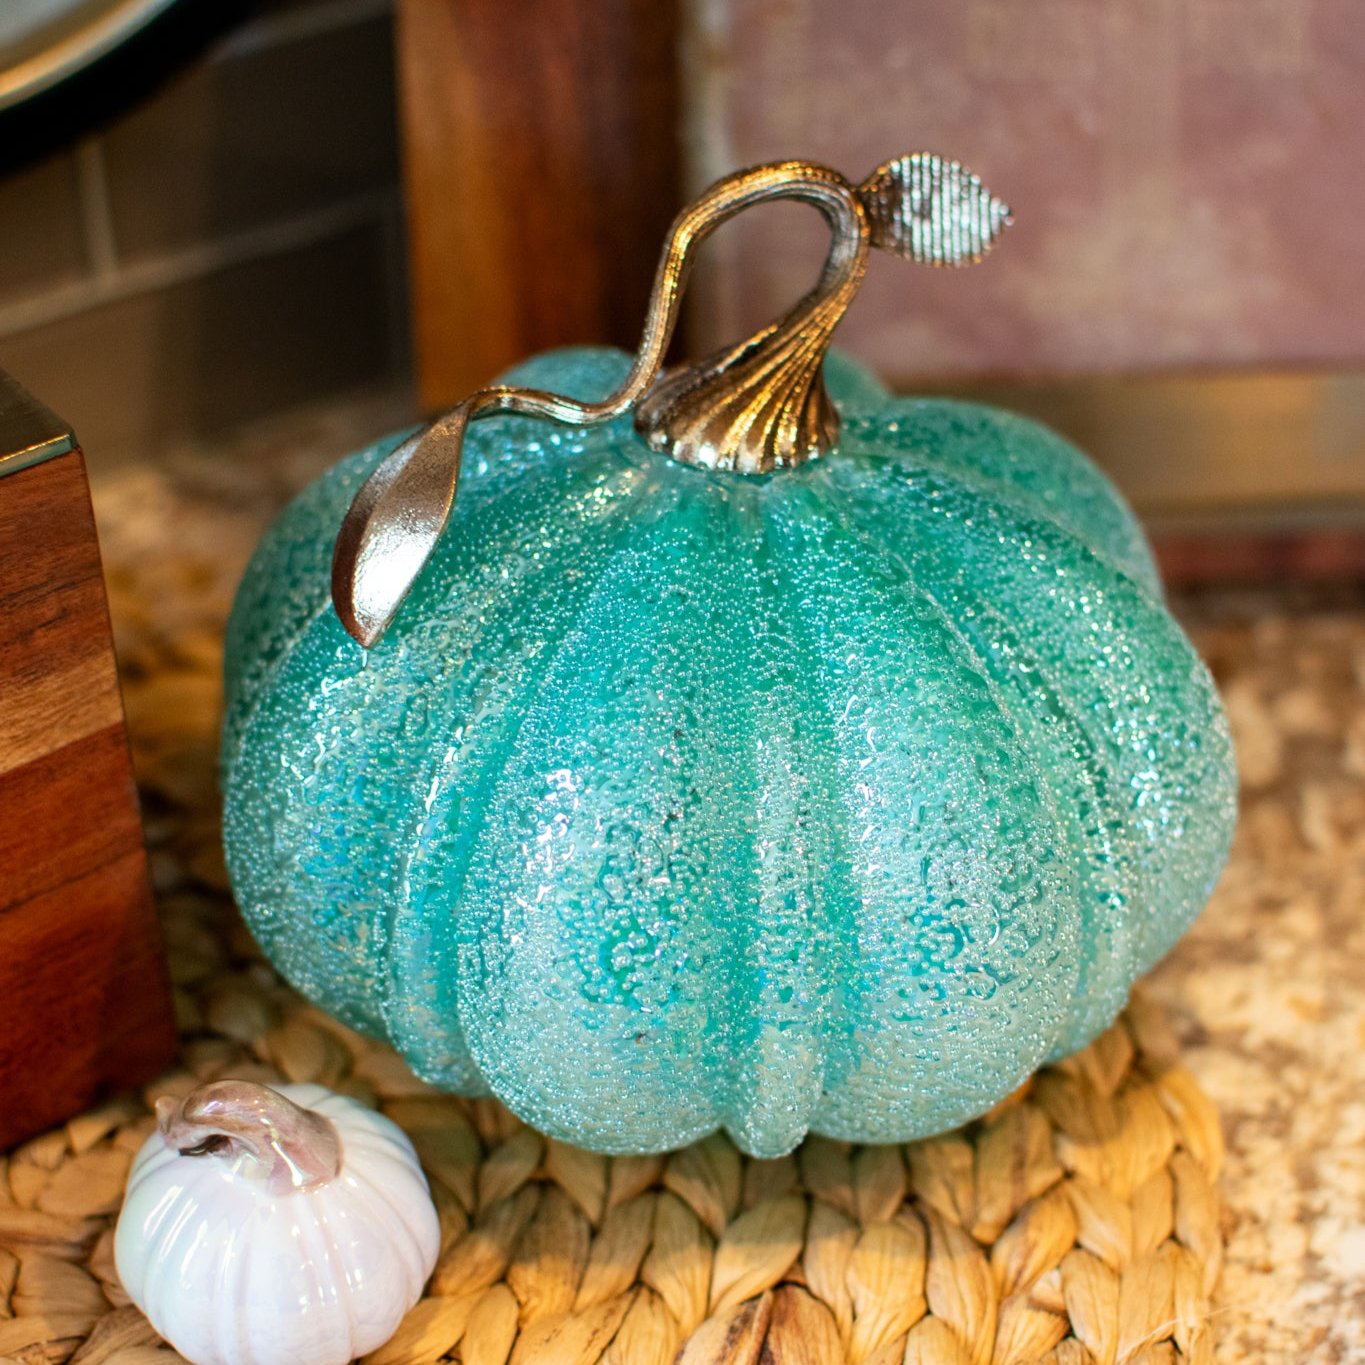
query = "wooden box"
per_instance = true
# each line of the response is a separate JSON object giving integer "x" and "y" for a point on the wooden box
{"x": 84, "y": 999}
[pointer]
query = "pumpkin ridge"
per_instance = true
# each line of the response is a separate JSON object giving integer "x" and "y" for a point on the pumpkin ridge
{"x": 834, "y": 1033}
{"x": 738, "y": 930}
{"x": 924, "y": 562}
{"x": 331, "y": 1257}
{"x": 907, "y": 424}
{"x": 1095, "y": 781}
{"x": 840, "y": 1112}
{"x": 683, "y": 1109}
{"x": 234, "y": 1289}
{"x": 597, "y": 586}
{"x": 279, "y": 705}
{"x": 317, "y": 1249}
{"x": 1160, "y": 667}
{"x": 398, "y": 1003}
{"x": 244, "y": 689}
{"x": 766, "y": 1114}
{"x": 1201, "y": 835}
{"x": 365, "y": 1190}
{"x": 356, "y": 469}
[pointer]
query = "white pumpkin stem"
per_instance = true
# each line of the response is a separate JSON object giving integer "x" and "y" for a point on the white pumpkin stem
{"x": 287, "y": 1146}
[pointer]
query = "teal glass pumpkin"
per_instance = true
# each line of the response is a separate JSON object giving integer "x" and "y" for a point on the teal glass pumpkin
{"x": 835, "y": 799}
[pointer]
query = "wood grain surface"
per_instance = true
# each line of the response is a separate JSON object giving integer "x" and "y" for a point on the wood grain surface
{"x": 57, "y": 679}
{"x": 84, "y": 1003}
{"x": 541, "y": 156}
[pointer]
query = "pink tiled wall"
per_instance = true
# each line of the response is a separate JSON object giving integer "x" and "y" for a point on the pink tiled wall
{"x": 1187, "y": 175}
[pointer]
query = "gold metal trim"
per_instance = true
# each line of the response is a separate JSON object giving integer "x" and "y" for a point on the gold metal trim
{"x": 752, "y": 408}
{"x": 762, "y": 405}
{"x": 29, "y": 432}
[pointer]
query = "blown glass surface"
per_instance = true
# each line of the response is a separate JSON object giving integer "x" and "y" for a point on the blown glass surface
{"x": 836, "y": 799}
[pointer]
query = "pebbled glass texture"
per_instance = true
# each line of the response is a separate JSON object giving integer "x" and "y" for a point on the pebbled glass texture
{"x": 837, "y": 799}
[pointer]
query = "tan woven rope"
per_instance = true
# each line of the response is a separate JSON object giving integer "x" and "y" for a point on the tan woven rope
{"x": 1077, "y": 1223}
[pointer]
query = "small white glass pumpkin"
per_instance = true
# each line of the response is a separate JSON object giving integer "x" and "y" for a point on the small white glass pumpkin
{"x": 275, "y": 1227}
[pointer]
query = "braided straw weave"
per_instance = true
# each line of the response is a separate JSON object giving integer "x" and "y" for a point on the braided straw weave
{"x": 1075, "y": 1223}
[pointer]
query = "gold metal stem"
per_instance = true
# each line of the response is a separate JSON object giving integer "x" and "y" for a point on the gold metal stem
{"x": 755, "y": 407}
{"x": 762, "y": 405}
{"x": 289, "y": 1147}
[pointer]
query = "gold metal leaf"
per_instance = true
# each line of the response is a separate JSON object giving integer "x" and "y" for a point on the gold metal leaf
{"x": 931, "y": 210}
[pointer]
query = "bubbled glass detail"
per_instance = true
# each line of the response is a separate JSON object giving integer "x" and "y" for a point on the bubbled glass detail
{"x": 837, "y": 799}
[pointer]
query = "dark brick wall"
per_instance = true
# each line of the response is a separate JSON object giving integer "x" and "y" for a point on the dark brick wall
{"x": 231, "y": 247}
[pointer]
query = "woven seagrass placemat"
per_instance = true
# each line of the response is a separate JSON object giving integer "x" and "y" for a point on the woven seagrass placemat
{"x": 1078, "y": 1222}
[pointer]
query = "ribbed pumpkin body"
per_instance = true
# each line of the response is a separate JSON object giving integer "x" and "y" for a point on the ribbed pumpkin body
{"x": 674, "y": 800}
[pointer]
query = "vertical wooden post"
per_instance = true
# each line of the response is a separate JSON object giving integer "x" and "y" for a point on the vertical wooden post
{"x": 542, "y": 160}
